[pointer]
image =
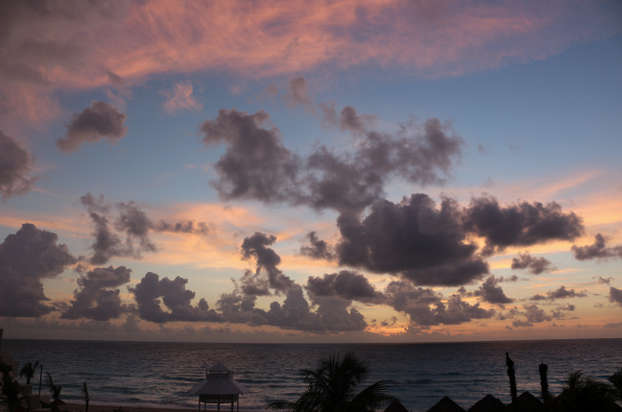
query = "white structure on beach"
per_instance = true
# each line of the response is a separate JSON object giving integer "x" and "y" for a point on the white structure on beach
{"x": 219, "y": 387}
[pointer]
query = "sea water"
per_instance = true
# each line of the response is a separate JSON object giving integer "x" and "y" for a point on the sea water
{"x": 160, "y": 374}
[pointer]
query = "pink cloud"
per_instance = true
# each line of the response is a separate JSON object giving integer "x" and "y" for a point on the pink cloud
{"x": 76, "y": 45}
{"x": 181, "y": 98}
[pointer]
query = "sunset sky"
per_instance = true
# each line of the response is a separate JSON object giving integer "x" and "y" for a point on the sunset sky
{"x": 324, "y": 171}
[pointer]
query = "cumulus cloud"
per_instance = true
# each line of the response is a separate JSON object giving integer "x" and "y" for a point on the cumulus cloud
{"x": 345, "y": 284}
{"x": 26, "y": 258}
{"x": 15, "y": 168}
{"x": 559, "y": 312}
{"x": 615, "y": 295}
{"x": 533, "y": 264}
{"x": 560, "y": 293}
{"x": 418, "y": 153}
{"x": 317, "y": 248}
{"x": 100, "y": 121}
{"x": 181, "y": 98}
{"x": 490, "y": 292}
{"x": 97, "y": 296}
{"x": 107, "y": 243}
{"x": 599, "y": 250}
{"x": 117, "y": 220}
{"x": 256, "y": 164}
{"x": 174, "y": 296}
{"x": 426, "y": 308}
{"x": 266, "y": 276}
{"x": 415, "y": 238}
{"x": 330, "y": 316}
{"x": 533, "y": 314}
{"x": 523, "y": 224}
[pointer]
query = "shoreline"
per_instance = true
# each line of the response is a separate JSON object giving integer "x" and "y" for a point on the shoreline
{"x": 80, "y": 407}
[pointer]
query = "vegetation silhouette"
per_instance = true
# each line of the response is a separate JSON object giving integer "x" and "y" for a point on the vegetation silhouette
{"x": 28, "y": 371}
{"x": 512, "y": 375}
{"x": 85, "y": 392}
{"x": 585, "y": 394}
{"x": 10, "y": 398}
{"x": 332, "y": 387}
{"x": 616, "y": 381}
{"x": 55, "y": 392}
{"x": 544, "y": 383}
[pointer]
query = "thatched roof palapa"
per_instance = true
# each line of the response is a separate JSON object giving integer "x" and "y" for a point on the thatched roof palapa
{"x": 527, "y": 403}
{"x": 218, "y": 387}
{"x": 446, "y": 405}
{"x": 487, "y": 404}
{"x": 396, "y": 406}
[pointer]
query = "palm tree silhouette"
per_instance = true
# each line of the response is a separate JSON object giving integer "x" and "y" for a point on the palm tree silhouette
{"x": 85, "y": 392}
{"x": 28, "y": 371}
{"x": 585, "y": 394}
{"x": 616, "y": 381}
{"x": 332, "y": 388}
{"x": 55, "y": 391}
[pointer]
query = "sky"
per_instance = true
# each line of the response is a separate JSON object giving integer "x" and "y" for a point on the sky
{"x": 324, "y": 171}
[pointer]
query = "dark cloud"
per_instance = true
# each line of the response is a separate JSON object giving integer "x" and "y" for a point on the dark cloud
{"x": 332, "y": 314}
{"x": 414, "y": 238}
{"x": 426, "y": 308}
{"x": 561, "y": 293}
{"x": 135, "y": 223}
{"x": 132, "y": 224}
{"x": 97, "y": 296}
{"x": 351, "y": 182}
{"x": 297, "y": 93}
{"x": 100, "y": 121}
{"x": 523, "y": 224}
{"x": 26, "y": 258}
{"x": 184, "y": 226}
{"x": 615, "y": 295}
{"x": 257, "y": 166}
{"x": 174, "y": 296}
{"x": 522, "y": 323}
{"x": 535, "y": 265}
{"x": 317, "y": 249}
{"x": 345, "y": 284}
{"x": 338, "y": 316}
{"x": 598, "y": 250}
{"x": 559, "y": 312}
{"x": 533, "y": 314}
{"x": 490, "y": 292}
{"x": 107, "y": 244}
{"x": 15, "y": 168}
{"x": 347, "y": 120}
{"x": 266, "y": 275}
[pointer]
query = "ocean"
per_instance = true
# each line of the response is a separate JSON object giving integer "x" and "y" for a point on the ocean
{"x": 160, "y": 374}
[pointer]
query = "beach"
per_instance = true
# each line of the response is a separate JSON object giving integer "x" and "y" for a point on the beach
{"x": 80, "y": 407}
